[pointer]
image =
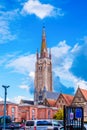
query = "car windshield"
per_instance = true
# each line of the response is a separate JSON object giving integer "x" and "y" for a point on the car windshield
{"x": 30, "y": 123}
{"x": 44, "y": 123}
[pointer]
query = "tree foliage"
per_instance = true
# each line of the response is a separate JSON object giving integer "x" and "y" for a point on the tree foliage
{"x": 59, "y": 115}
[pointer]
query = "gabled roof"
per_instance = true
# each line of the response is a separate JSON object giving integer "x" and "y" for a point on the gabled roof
{"x": 51, "y": 102}
{"x": 84, "y": 93}
{"x": 52, "y": 95}
{"x": 27, "y": 102}
{"x": 68, "y": 98}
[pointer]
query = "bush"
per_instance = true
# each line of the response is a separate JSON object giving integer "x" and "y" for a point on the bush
{"x": 59, "y": 115}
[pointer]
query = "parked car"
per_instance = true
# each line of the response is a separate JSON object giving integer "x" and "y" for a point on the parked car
{"x": 15, "y": 125}
{"x": 7, "y": 122}
{"x": 42, "y": 125}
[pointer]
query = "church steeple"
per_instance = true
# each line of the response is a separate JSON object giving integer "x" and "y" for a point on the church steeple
{"x": 43, "y": 71}
{"x": 44, "y": 52}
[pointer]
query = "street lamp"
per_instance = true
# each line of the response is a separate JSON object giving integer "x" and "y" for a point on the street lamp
{"x": 5, "y": 87}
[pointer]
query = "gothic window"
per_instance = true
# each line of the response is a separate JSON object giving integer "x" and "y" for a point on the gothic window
{"x": 40, "y": 68}
{"x": 40, "y": 97}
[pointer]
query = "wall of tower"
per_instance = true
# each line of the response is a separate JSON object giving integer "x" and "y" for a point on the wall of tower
{"x": 43, "y": 77}
{"x": 43, "y": 74}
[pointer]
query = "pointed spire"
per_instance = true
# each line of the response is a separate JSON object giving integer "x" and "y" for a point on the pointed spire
{"x": 43, "y": 46}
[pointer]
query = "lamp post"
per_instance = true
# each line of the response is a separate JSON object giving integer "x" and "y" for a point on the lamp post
{"x": 5, "y": 87}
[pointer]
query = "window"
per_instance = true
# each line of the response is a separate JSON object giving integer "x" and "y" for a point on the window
{"x": 13, "y": 109}
{"x": 40, "y": 97}
{"x": 33, "y": 114}
{"x": 44, "y": 123}
{"x": 40, "y": 68}
{"x": 48, "y": 114}
{"x": 13, "y": 113}
{"x": 30, "y": 123}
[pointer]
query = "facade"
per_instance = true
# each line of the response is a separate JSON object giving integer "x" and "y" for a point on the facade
{"x": 63, "y": 99}
{"x": 80, "y": 99}
{"x": 24, "y": 111}
{"x": 43, "y": 71}
{"x": 11, "y": 109}
{"x": 30, "y": 112}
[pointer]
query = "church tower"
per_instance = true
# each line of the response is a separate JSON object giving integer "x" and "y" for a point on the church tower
{"x": 43, "y": 70}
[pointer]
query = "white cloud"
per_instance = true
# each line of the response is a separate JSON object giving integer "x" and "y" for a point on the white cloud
{"x": 5, "y": 32}
{"x": 32, "y": 74}
{"x": 63, "y": 56}
{"x": 23, "y": 64}
{"x": 75, "y": 48}
{"x": 25, "y": 87}
{"x": 40, "y": 10}
{"x": 18, "y": 99}
{"x": 1, "y": 99}
{"x": 61, "y": 49}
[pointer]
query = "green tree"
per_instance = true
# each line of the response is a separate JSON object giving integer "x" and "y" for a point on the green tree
{"x": 59, "y": 115}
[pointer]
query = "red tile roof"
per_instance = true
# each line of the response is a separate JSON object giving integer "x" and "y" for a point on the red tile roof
{"x": 84, "y": 92}
{"x": 68, "y": 98}
{"x": 51, "y": 102}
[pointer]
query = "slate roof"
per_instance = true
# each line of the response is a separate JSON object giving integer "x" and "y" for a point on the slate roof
{"x": 52, "y": 95}
{"x": 27, "y": 102}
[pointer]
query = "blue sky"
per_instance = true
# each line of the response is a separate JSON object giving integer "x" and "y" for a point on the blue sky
{"x": 21, "y": 24}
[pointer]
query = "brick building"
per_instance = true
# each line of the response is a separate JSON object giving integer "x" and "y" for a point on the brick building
{"x": 30, "y": 112}
{"x": 11, "y": 109}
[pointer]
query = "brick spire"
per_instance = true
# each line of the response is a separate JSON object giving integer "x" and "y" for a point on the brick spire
{"x": 44, "y": 52}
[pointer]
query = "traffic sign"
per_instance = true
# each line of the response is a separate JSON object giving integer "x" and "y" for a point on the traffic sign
{"x": 78, "y": 113}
